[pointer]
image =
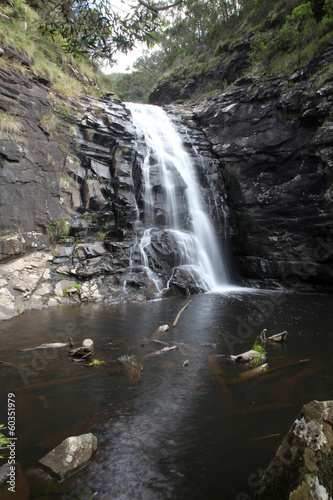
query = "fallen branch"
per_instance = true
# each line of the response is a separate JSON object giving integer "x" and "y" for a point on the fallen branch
{"x": 162, "y": 351}
{"x": 52, "y": 345}
{"x": 216, "y": 369}
{"x": 156, "y": 9}
{"x": 263, "y": 437}
{"x": 131, "y": 368}
{"x": 158, "y": 342}
{"x": 247, "y": 357}
{"x": 180, "y": 312}
{"x": 9, "y": 364}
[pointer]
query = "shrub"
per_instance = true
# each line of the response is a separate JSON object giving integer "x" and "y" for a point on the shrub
{"x": 58, "y": 230}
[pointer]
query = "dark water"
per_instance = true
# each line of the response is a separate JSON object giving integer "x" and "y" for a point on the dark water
{"x": 202, "y": 431}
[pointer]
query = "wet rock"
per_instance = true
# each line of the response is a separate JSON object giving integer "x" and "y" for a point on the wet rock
{"x": 93, "y": 197}
{"x": 7, "y": 304}
{"x": 185, "y": 283}
{"x": 89, "y": 250}
{"x": 303, "y": 463}
{"x": 72, "y": 454}
{"x": 274, "y": 143}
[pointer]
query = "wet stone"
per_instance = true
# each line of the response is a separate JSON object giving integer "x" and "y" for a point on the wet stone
{"x": 69, "y": 456}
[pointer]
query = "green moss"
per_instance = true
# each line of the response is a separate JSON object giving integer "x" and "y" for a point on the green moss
{"x": 65, "y": 290}
{"x": 96, "y": 363}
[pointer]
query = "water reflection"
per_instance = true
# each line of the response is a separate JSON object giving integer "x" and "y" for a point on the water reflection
{"x": 199, "y": 431}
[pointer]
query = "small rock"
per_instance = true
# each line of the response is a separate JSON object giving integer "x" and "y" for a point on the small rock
{"x": 163, "y": 328}
{"x": 186, "y": 362}
{"x": 52, "y": 302}
{"x": 72, "y": 454}
{"x": 88, "y": 343}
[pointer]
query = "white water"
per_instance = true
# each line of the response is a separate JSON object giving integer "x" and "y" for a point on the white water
{"x": 166, "y": 158}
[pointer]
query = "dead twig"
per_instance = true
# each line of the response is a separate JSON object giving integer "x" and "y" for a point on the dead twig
{"x": 180, "y": 312}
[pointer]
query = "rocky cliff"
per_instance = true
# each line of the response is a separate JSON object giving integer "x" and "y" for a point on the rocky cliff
{"x": 71, "y": 187}
{"x": 70, "y": 191}
{"x": 273, "y": 139}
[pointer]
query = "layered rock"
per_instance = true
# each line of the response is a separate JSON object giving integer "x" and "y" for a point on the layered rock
{"x": 71, "y": 196}
{"x": 274, "y": 141}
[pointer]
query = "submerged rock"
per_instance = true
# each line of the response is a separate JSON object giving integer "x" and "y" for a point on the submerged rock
{"x": 13, "y": 483}
{"x": 72, "y": 454}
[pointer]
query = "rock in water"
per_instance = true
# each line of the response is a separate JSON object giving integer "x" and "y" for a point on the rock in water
{"x": 72, "y": 454}
{"x": 302, "y": 467}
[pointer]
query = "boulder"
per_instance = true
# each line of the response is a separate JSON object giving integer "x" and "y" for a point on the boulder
{"x": 69, "y": 456}
{"x": 186, "y": 282}
{"x": 303, "y": 464}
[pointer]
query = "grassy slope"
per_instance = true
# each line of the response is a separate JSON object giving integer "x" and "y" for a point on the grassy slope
{"x": 207, "y": 59}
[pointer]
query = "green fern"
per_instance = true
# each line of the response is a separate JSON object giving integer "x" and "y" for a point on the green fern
{"x": 4, "y": 442}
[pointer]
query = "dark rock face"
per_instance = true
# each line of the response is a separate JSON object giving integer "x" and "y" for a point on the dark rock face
{"x": 274, "y": 142}
{"x": 230, "y": 67}
{"x": 30, "y": 162}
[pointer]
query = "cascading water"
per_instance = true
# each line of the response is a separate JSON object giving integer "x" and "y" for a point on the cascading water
{"x": 173, "y": 226}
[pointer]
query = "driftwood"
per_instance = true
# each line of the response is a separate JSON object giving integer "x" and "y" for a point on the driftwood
{"x": 83, "y": 352}
{"x": 278, "y": 337}
{"x": 163, "y": 328}
{"x": 9, "y": 364}
{"x": 157, "y": 341}
{"x": 254, "y": 372}
{"x": 263, "y": 437}
{"x": 216, "y": 369}
{"x": 180, "y": 312}
{"x": 162, "y": 351}
{"x": 246, "y": 357}
{"x": 131, "y": 368}
{"x": 269, "y": 407}
{"x": 52, "y": 345}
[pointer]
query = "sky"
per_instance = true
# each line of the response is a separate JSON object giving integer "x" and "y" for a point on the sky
{"x": 124, "y": 61}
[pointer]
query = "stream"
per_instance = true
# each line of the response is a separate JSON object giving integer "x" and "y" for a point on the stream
{"x": 201, "y": 431}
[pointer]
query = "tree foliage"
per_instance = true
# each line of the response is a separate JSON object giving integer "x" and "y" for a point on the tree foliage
{"x": 302, "y": 27}
{"x": 95, "y": 27}
{"x": 298, "y": 29}
{"x": 137, "y": 85}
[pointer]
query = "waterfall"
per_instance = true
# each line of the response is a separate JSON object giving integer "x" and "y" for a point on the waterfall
{"x": 175, "y": 238}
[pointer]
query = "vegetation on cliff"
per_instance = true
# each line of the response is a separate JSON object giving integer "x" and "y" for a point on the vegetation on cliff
{"x": 43, "y": 54}
{"x": 68, "y": 41}
{"x": 202, "y": 36}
